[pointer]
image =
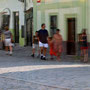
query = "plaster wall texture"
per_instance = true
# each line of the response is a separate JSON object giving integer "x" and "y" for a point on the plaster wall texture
{"x": 14, "y": 6}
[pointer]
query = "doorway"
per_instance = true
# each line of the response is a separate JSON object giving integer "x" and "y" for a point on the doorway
{"x": 29, "y": 25}
{"x": 16, "y": 26}
{"x": 71, "y": 26}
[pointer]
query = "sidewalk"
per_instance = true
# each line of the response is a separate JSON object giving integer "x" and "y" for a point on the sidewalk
{"x": 27, "y": 51}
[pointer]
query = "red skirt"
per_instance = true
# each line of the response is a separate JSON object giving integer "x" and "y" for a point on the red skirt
{"x": 84, "y": 48}
{"x": 52, "y": 52}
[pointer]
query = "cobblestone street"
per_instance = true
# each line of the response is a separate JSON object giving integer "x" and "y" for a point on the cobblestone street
{"x": 21, "y": 72}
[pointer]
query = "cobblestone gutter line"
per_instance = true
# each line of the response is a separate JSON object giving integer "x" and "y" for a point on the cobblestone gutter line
{"x": 34, "y": 84}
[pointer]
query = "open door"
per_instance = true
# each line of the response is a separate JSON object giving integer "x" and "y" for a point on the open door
{"x": 29, "y": 32}
{"x": 71, "y": 25}
{"x": 16, "y": 26}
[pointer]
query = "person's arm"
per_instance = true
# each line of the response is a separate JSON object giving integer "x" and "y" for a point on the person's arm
{"x": 38, "y": 35}
{"x": 38, "y": 39}
{"x": 47, "y": 35}
{"x": 11, "y": 35}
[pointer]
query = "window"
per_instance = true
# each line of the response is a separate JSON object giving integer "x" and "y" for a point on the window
{"x": 53, "y": 24}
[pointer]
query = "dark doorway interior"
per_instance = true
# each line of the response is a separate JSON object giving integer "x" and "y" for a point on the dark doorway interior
{"x": 29, "y": 26}
{"x": 71, "y": 25}
{"x": 5, "y": 21}
{"x": 16, "y": 26}
{"x": 29, "y": 31}
{"x": 53, "y": 24}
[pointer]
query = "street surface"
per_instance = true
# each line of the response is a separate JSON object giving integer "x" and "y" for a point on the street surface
{"x": 22, "y": 72}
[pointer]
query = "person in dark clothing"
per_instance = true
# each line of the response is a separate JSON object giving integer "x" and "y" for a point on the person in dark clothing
{"x": 84, "y": 46}
{"x": 43, "y": 41}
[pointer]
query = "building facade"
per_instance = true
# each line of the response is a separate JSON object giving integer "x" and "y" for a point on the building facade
{"x": 12, "y": 14}
{"x": 29, "y": 22}
{"x": 70, "y": 16}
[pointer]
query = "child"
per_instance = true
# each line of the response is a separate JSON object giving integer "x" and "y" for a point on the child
{"x": 35, "y": 46}
{"x": 51, "y": 52}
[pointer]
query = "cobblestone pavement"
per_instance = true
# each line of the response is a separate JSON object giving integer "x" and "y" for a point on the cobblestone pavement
{"x": 21, "y": 72}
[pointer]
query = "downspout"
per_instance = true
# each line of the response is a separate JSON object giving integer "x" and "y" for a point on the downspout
{"x": 24, "y": 22}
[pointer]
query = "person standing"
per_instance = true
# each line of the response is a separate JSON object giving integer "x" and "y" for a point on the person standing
{"x": 8, "y": 40}
{"x": 43, "y": 41}
{"x": 57, "y": 44}
{"x": 84, "y": 46}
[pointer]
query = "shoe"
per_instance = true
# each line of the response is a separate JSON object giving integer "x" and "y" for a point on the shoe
{"x": 10, "y": 53}
{"x": 44, "y": 58}
{"x": 41, "y": 57}
{"x": 32, "y": 55}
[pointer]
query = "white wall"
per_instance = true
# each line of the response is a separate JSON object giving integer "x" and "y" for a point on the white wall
{"x": 29, "y": 4}
{"x": 13, "y": 5}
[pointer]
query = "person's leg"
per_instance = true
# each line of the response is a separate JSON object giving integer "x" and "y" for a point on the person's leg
{"x": 58, "y": 56}
{"x": 33, "y": 50}
{"x": 6, "y": 46}
{"x": 44, "y": 51}
{"x": 41, "y": 49}
{"x": 38, "y": 51}
{"x": 6, "y": 49}
{"x": 84, "y": 51}
{"x": 82, "y": 55}
{"x": 10, "y": 47}
{"x": 41, "y": 52}
{"x": 86, "y": 55}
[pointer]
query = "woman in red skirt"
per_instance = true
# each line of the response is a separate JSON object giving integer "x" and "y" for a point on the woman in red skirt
{"x": 84, "y": 46}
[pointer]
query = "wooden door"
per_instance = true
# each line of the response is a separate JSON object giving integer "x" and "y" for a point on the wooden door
{"x": 71, "y": 25}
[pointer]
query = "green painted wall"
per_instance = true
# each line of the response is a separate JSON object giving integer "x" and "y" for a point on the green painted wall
{"x": 21, "y": 40}
{"x": 62, "y": 5}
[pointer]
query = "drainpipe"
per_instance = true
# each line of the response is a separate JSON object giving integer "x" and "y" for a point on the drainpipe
{"x": 25, "y": 22}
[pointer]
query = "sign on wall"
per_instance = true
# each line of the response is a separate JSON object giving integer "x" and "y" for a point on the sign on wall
{"x": 38, "y": 1}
